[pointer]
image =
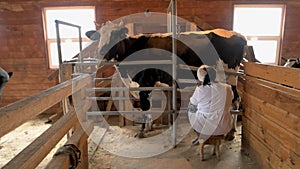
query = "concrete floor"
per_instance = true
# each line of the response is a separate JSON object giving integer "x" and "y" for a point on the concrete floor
{"x": 184, "y": 156}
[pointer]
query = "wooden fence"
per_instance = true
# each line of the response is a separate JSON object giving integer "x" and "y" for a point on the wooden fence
{"x": 271, "y": 121}
{"x": 15, "y": 114}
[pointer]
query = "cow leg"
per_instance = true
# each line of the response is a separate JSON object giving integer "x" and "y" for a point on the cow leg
{"x": 145, "y": 105}
{"x": 236, "y": 98}
{"x": 141, "y": 133}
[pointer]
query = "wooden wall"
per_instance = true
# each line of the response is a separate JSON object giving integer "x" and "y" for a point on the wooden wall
{"x": 271, "y": 115}
{"x": 22, "y": 43}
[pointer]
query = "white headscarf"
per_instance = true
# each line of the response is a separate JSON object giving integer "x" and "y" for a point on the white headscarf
{"x": 200, "y": 73}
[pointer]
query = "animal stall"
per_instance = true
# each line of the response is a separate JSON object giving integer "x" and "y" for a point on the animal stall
{"x": 16, "y": 114}
{"x": 271, "y": 99}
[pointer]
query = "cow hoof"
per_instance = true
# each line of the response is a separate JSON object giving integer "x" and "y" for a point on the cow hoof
{"x": 230, "y": 136}
{"x": 140, "y": 135}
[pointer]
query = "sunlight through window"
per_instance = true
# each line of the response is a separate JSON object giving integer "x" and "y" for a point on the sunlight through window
{"x": 81, "y": 16}
{"x": 262, "y": 25}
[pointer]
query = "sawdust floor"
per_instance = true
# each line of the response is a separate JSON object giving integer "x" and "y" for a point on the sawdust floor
{"x": 14, "y": 142}
{"x": 117, "y": 148}
{"x": 109, "y": 155}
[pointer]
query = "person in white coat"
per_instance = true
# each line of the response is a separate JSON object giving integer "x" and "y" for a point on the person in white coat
{"x": 209, "y": 107}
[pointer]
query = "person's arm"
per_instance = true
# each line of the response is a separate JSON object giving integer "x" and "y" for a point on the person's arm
{"x": 194, "y": 100}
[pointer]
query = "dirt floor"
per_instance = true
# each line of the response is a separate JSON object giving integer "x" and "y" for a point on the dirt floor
{"x": 117, "y": 148}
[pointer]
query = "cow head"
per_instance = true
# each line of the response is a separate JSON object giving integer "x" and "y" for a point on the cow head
{"x": 108, "y": 35}
{"x": 292, "y": 62}
{"x": 4, "y": 77}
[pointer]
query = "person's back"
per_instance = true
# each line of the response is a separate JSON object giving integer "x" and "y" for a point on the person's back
{"x": 212, "y": 101}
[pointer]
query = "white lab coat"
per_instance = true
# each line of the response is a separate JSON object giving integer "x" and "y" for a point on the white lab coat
{"x": 213, "y": 115}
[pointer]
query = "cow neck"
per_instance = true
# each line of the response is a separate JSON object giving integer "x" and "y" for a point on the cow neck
{"x": 126, "y": 48}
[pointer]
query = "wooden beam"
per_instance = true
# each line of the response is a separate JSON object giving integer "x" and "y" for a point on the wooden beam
{"x": 15, "y": 114}
{"x": 283, "y": 88}
{"x": 264, "y": 156}
{"x": 277, "y": 74}
{"x": 33, "y": 154}
{"x": 278, "y": 98}
{"x": 79, "y": 139}
{"x": 283, "y": 118}
{"x": 283, "y": 138}
{"x": 282, "y": 155}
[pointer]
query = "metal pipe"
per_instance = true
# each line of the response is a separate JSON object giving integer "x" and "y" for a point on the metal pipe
{"x": 66, "y": 23}
{"x": 104, "y": 89}
{"x": 101, "y": 113}
{"x": 58, "y": 41}
{"x": 174, "y": 66}
{"x": 57, "y": 22}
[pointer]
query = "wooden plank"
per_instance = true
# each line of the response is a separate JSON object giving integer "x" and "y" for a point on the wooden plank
{"x": 283, "y": 88}
{"x": 278, "y": 74}
{"x": 282, "y": 118}
{"x": 79, "y": 139}
{"x": 14, "y": 115}
{"x": 265, "y": 158}
{"x": 81, "y": 108}
{"x": 66, "y": 71}
{"x": 33, "y": 154}
{"x": 278, "y": 98}
{"x": 283, "y": 137}
{"x": 285, "y": 157}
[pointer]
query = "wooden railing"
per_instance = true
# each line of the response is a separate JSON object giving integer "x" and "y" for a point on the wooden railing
{"x": 271, "y": 118}
{"x": 15, "y": 114}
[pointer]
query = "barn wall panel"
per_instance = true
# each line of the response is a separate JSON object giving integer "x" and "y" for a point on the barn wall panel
{"x": 22, "y": 36}
{"x": 276, "y": 74}
{"x": 275, "y": 97}
{"x": 271, "y": 117}
{"x": 266, "y": 156}
{"x": 274, "y": 114}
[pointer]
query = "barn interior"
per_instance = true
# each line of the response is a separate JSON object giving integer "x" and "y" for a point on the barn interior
{"x": 57, "y": 112}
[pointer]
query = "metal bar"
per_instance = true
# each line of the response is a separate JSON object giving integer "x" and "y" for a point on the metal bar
{"x": 57, "y": 22}
{"x": 187, "y": 81}
{"x": 58, "y": 41}
{"x": 170, "y": 6}
{"x": 144, "y": 62}
{"x": 111, "y": 98}
{"x": 103, "y": 89}
{"x": 66, "y": 23}
{"x": 103, "y": 78}
{"x": 80, "y": 46}
{"x": 124, "y": 98}
{"x": 101, "y": 113}
{"x": 174, "y": 66}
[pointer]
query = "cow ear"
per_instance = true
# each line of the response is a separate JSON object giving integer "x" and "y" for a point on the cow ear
{"x": 93, "y": 35}
{"x": 10, "y": 74}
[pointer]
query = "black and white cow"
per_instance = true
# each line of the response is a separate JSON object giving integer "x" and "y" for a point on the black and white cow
{"x": 4, "y": 77}
{"x": 292, "y": 62}
{"x": 219, "y": 47}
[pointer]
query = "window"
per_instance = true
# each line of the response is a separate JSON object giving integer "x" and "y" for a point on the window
{"x": 81, "y": 16}
{"x": 263, "y": 27}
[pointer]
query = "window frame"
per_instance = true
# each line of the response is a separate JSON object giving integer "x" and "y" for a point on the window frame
{"x": 48, "y": 40}
{"x": 279, "y": 38}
